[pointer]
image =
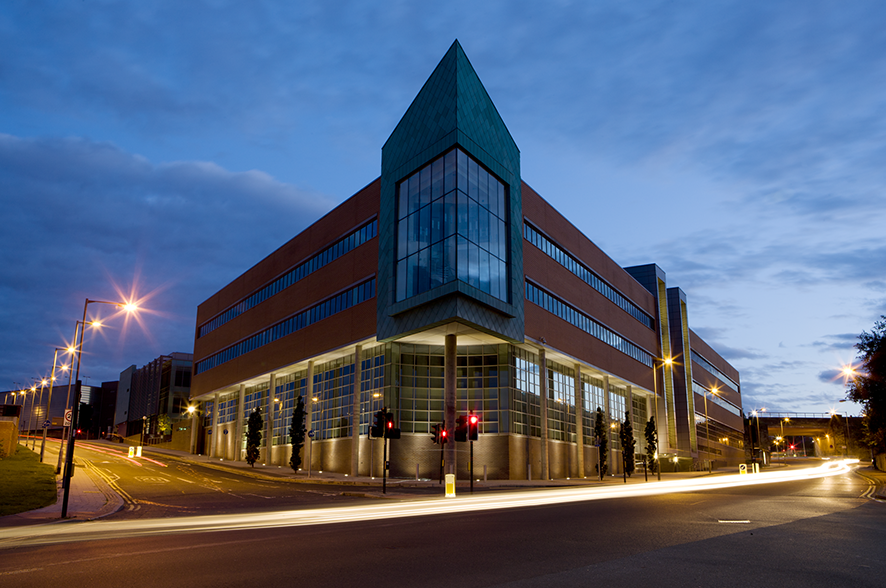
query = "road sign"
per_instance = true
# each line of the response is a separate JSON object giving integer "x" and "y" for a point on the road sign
{"x": 47, "y": 424}
{"x": 742, "y": 468}
{"x": 69, "y": 416}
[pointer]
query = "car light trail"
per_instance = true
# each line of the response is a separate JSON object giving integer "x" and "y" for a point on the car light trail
{"x": 102, "y": 530}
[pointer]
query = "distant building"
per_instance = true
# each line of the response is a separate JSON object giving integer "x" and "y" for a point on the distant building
{"x": 449, "y": 286}
{"x": 161, "y": 387}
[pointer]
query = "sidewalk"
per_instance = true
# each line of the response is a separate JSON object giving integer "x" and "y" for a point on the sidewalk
{"x": 877, "y": 477}
{"x": 278, "y": 472}
{"x": 89, "y": 498}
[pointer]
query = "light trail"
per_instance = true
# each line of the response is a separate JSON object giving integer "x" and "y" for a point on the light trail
{"x": 103, "y": 530}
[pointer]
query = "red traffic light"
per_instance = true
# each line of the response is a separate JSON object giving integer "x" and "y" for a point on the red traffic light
{"x": 474, "y": 419}
{"x": 390, "y": 424}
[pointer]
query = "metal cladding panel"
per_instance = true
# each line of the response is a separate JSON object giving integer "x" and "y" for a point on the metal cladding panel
{"x": 452, "y": 109}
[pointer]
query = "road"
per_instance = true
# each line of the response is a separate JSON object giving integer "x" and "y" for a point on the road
{"x": 807, "y": 533}
{"x": 161, "y": 485}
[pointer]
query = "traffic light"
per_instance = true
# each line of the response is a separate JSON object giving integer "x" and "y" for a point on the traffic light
{"x": 444, "y": 435}
{"x": 435, "y": 434}
{"x": 390, "y": 431}
{"x": 378, "y": 427}
{"x": 461, "y": 428}
{"x": 473, "y": 427}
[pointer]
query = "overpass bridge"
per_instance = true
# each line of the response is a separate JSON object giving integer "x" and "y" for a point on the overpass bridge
{"x": 818, "y": 434}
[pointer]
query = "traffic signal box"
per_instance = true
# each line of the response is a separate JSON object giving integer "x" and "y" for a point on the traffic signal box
{"x": 391, "y": 432}
{"x": 439, "y": 435}
{"x": 378, "y": 426}
{"x": 461, "y": 428}
{"x": 383, "y": 425}
{"x": 467, "y": 428}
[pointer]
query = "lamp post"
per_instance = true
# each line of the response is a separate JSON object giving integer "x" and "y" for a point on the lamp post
{"x": 707, "y": 423}
{"x": 43, "y": 383}
{"x": 782, "y": 422}
{"x": 667, "y": 361}
{"x": 49, "y": 401}
{"x": 69, "y": 454}
{"x": 33, "y": 391}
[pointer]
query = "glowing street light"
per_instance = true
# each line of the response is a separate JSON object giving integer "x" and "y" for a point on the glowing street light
{"x": 707, "y": 422}
{"x": 657, "y": 362}
{"x": 127, "y": 307}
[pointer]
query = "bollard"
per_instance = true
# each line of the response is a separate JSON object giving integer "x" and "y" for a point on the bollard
{"x": 416, "y": 472}
{"x": 484, "y": 473}
{"x": 529, "y": 471}
{"x": 450, "y": 485}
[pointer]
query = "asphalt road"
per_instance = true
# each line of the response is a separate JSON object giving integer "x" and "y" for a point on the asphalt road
{"x": 166, "y": 486}
{"x": 806, "y": 534}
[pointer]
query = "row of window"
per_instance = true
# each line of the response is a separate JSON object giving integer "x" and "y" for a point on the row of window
{"x": 331, "y": 253}
{"x": 710, "y": 367}
{"x": 702, "y": 391}
{"x": 556, "y": 253}
{"x": 575, "y": 317}
{"x": 327, "y": 308}
{"x": 446, "y": 261}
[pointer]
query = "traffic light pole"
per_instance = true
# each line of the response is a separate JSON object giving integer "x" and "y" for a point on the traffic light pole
{"x": 472, "y": 467}
{"x": 384, "y": 466}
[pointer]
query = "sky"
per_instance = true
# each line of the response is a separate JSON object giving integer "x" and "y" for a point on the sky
{"x": 160, "y": 149}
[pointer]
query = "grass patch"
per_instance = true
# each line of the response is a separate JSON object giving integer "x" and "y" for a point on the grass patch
{"x": 25, "y": 483}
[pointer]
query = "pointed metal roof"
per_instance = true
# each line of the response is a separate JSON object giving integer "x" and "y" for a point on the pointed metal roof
{"x": 452, "y": 100}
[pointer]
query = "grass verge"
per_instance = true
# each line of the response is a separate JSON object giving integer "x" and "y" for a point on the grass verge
{"x": 25, "y": 483}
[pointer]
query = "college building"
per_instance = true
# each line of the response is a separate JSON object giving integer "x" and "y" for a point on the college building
{"x": 448, "y": 286}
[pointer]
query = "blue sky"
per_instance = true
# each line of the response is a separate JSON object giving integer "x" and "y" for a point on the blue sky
{"x": 169, "y": 146}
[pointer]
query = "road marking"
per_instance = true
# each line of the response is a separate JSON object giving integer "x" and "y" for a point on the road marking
{"x": 742, "y": 522}
{"x": 152, "y": 479}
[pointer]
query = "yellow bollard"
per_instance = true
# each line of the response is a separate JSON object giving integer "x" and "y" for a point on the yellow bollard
{"x": 450, "y": 485}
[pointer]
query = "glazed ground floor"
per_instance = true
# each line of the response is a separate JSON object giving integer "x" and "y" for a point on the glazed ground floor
{"x": 580, "y": 422}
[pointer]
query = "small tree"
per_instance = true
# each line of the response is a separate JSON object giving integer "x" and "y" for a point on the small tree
{"x": 651, "y": 445}
{"x": 163, "y": 424}
{"x": 297, "y": 434}
{"x": 626, "y": 436}
{"x": 601, "y": 436}
{"x": 254, "y": 427}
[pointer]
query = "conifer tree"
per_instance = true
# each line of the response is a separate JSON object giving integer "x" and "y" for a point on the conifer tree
{"x": 254, "y": 427}
{"x": 626, "y": 436}
{"x": 651, "y": 445}
{"x": 601, "y": 435}
{"x": 297, "y": 434}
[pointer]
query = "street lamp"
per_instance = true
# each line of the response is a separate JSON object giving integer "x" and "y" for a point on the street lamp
{"x": 782, "y": 422}
{"x": 667, "y": 361}
{"x": 128, "y": 307}
{"x": 707, "y": 423}
{"x": 48, "y": 415}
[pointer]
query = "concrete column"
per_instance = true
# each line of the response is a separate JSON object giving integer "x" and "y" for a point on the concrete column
{"x": 238, "y": 424}
{"x": 608, "y": 421}
{"x": 449, "y": 399}
{"x": 355, "y": 411}
{"x": 543, "y": 398}
{"x": 579, "y": 421}
{"x": 269, "y": 417}
{"x": 213, "y": 439}
{"x": 309, "y": 409}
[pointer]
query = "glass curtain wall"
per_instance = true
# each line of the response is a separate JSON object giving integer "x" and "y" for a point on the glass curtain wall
{"x": 451, "y": 224}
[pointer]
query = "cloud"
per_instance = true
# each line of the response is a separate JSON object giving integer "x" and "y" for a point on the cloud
{"x": 839, "y": 342}
{"x": 831, "y": 377}
{"x": 86, "y": 219}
